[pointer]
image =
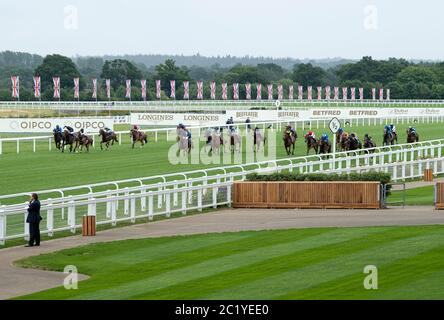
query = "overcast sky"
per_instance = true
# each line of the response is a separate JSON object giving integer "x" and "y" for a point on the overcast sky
{"x": 278, "y": 28}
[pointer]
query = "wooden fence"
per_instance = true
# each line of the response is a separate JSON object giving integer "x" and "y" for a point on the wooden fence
{"x": 364, "y": 195}
{"x": 439, "y": 195}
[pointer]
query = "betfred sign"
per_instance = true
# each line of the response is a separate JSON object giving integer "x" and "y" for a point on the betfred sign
{"x": 45, "y": 125}
{"x": 173, "y": 119}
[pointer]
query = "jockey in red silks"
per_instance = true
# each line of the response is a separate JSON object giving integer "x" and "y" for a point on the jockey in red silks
{"x": 310, "y": 134}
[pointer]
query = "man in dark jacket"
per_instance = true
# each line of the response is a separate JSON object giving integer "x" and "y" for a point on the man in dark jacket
{"x": 34, "y": 219}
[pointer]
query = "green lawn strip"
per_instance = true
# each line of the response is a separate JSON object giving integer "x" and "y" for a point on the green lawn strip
{"x": 414, "y": 197}
{"x": 209, "y": 266}
{"x": 288, "y": 284}
{"x": 398, "y": 280}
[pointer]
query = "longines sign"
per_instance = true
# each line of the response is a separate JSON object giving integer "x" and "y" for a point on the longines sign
{"x": 197, "y": 119}
{"x": 45, "y": 125}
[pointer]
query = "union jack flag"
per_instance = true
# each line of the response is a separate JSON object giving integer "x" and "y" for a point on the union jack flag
{"x": 353, "y": 94}
{"x": 336, "y": 93}
{"x": 15, "y": 86}
{"x": 128, "y": 89}
{"x": 310, "y": 93}
{"x": 76, "y": 88}
{"x": 173, "y": 89}
{"x": 381, "y": 94}
{"x": 327, "y": 92}
{"x": 108, "y": 88}
{"x": 37, "y": 86}
{"x": 344, "y": 93}
{"x": 199, "y": 89}
{"x": 186, "y": 90}
{"x": 290, "y": 92}
{"x": 143, "y": 88}
{"x": 361, "y": 93}
{"x": 300, "y": 92}
{"x": 280, "y": 92}
{"x": 270, "y": 92}
{"x": 248, "y": 91}
{"x": 158, "y": 89}
{"x": 259, "y": 91}
{"x": 224, "y": 91}
{"x": 213, "y": 90}
{"x": 235, "y": 91}
{"x": 56, "y": 81}
{"x": 94, "y": 93}
{"x": 319, "y": 93}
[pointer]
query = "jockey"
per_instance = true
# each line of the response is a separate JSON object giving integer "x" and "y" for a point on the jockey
{"x": 136, "y": 127}
{"x": 340, "y": 131}
{"x": 310, "y": 134}
{"x": 393, "y": 128}
{"x": 248, "y": 121}
{"x": 181, "y": 126}
{"x": 388, "y": 129}
{"x": 354, "y": 136}
{"x": 69, "y": 129}
{"x": 230, "y": 121}
{"x": 57, "y": 129}
{"x": 412, "y": 130}
{"x": 367, "y": 137}
{"x": 324, "y": 138}
{"x": 81, "y": 133}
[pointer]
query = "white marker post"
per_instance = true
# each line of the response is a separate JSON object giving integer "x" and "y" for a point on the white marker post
{"x": 334, "y": 126}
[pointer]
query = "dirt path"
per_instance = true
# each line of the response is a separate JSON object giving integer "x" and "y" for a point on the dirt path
{"x": 17, "y": 281}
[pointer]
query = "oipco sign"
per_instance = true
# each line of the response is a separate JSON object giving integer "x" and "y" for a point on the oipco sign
{"x": 45, "y": 125}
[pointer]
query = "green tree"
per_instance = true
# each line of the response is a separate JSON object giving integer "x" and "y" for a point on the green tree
{"x": 308, "y": 75}
{"x": 169, "y": 71}
{"x": 118, "y": 71}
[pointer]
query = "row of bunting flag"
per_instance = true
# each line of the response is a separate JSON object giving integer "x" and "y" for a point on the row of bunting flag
{"x": 322, "y": 93}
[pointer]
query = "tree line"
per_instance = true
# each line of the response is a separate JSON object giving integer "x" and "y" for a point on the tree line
{"x": 406, "y": 79}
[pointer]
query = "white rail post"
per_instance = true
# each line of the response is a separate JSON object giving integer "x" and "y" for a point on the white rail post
{"x": 184, "y": 202}
{"x": 199, "y": 200}
{"x": 33, "y": 145}
{"x": 2, "y": 226}
{"x": 143, "y": 200}
{"x": 126, "y": 202}
{"x": 1, "y": 147}
{"x": 50, "y": 219}
{"x": 175, "y": 194}
{"x": 150, "y": 206}
{"x": 120, "y": 138}
{"x": 108, "y": 206}
{"x": 113, "y": 211}
{"x": 72, "y": 216}
{"x": 159, "y": 197}
{"x": 133, "y": 208}
{"x": 229, "y": 195}
{"x": 18, "y": 146}
{"x": 167, "y": 205}
{"x": 215, "y": 191}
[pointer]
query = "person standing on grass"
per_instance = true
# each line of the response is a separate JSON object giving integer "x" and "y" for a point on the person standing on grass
{"x": 34, "y": 219}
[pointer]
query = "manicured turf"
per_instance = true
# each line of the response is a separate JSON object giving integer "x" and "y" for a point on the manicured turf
{"x": 423, "y": 196}
{"x": 290, "y": 264}
{"x": 44, "y": 169}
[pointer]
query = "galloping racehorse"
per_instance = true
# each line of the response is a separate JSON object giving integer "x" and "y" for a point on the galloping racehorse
{"x": 389, "y": 137}
{"x": 369, "y": 144}
{"x": 343, "y": 142}
{"x": 312, "y": 143}
{"x": 412, "y": 136}
{"x": 185, "y": 144}
{"x": 289, "y": 141}
{"x": 70, "y": 139}
{"x": 107, "y": 138}
{"x": 216, "y": 142}
{"x": 235, "y": 141}
{"x": 258, "y": 139}
{"x": 324, "y": 147}
{"x": 58, "y": 139}
{"x": 85, "y": 141}
{"x": 138, "y": 136}
{"x": 353, "y": 143}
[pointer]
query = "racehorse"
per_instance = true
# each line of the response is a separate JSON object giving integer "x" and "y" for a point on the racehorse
{"x": 70, "y": 139}
{"x": 235, "y": 141}
{"x": 58, "y": 137}
{"x": 289, "y": 141}
{"x": 353, "y": 144}
{"x": 107, "y": 138}
{"x": 369, "y": 144}
{"x": 138, "y": 136}
{"x": 343, "y": 142}
{"x": 312, "y": 143}
{"x": 85, "y": 141}
{"x": 258, "y": 139}
{"x": 185, "y": 144}
{"x": 216, "y": 142}
{"x": 389, "y": 138}
{"x": 412, "y": 137}
{"x": 324, "y": 147}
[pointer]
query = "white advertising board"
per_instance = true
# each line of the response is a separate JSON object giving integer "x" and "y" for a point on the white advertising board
{"x": 45, "y": 125}
{"x": 173, "y": 119}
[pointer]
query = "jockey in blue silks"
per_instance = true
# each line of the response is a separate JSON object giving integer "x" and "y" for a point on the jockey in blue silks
{"x": 324, "y": 138}
{"x": 57, "y": 129}
{"x": 341, "y": 131}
